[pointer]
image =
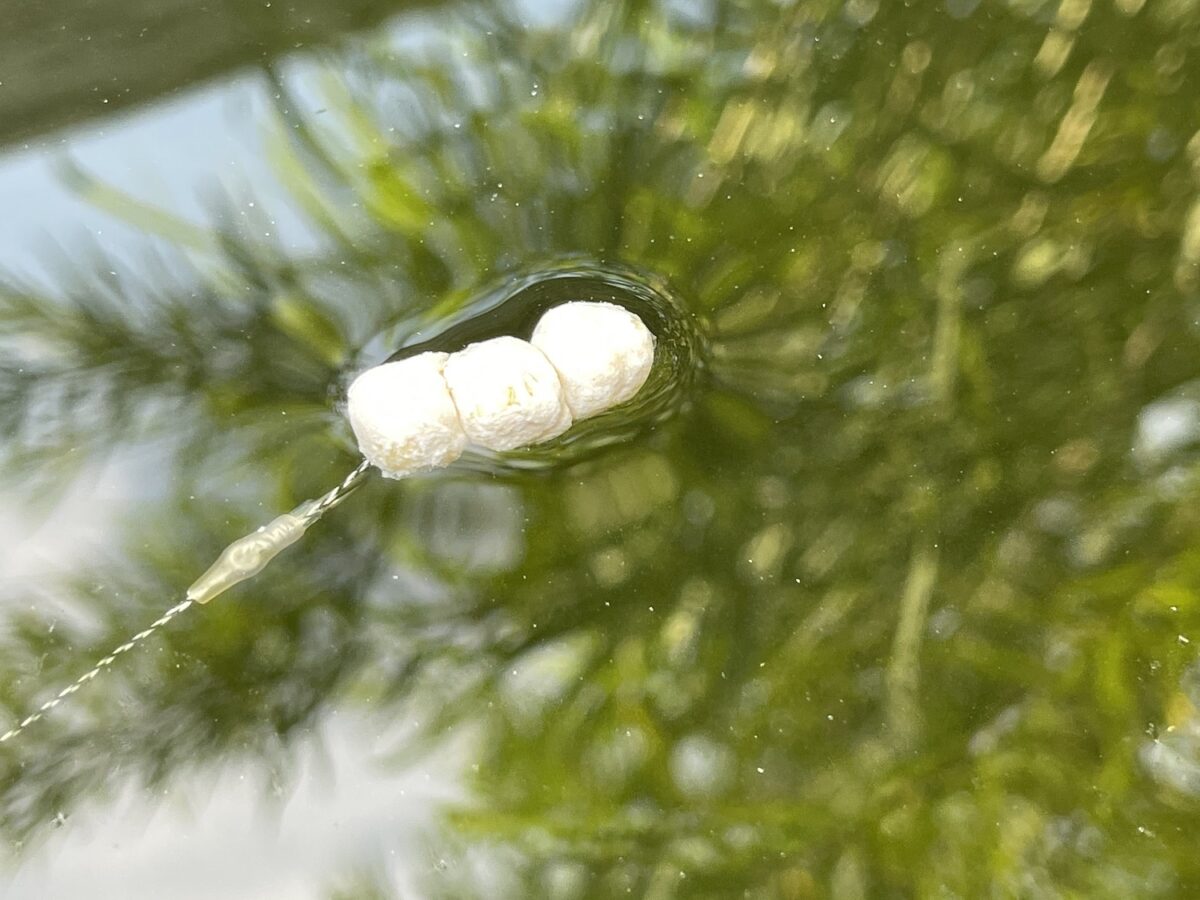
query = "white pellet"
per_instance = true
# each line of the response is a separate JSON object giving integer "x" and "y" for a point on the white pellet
{"x": 507, "y": 393}
{"x": 501, "y": 394}
{"x": 602, "y": 352}
{"x": 403, "y": 416}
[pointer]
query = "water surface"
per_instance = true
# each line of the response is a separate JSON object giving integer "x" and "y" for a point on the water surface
{"x": 898, "y": 596}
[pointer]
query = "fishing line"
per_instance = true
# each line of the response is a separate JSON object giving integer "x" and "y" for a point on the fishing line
{"x": 423, "y": 411}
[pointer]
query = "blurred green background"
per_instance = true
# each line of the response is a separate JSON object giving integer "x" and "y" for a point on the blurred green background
{"x": 905, "y": 600}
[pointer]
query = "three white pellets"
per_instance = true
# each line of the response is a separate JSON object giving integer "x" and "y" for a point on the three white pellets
{"x": 422, "y": 412}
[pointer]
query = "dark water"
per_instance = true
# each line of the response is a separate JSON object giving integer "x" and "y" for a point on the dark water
{"x": 891, "y": 589}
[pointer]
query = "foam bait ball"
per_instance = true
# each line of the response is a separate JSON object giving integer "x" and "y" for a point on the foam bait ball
{"x": 602, "y": 353}
{"x": 507, "y": 393}
{"x": 403, "y": 416}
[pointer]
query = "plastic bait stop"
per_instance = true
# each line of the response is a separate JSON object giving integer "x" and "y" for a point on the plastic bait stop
{"x": 422, "y": 412}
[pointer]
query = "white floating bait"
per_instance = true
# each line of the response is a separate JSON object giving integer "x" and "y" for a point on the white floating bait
{"x": 602, "y": 353}
{"x": 421, "y": 412}
{"x": 403, "y": 416}
{"x": 507, "y": 393}
{"x": 500, "y": 394}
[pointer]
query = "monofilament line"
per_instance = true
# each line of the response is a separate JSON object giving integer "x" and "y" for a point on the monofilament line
{"x": 334, "y": 496}
{"x": 242, "y": 559}
{"x": 421, "y": 412}
{"x": 96, "y": 670}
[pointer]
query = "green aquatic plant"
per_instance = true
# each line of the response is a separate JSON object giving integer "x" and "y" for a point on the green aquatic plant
{"x": 902, "y": 603}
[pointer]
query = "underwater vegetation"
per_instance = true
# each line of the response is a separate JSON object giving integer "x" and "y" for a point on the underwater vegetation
{"x": 900, "y": 596}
